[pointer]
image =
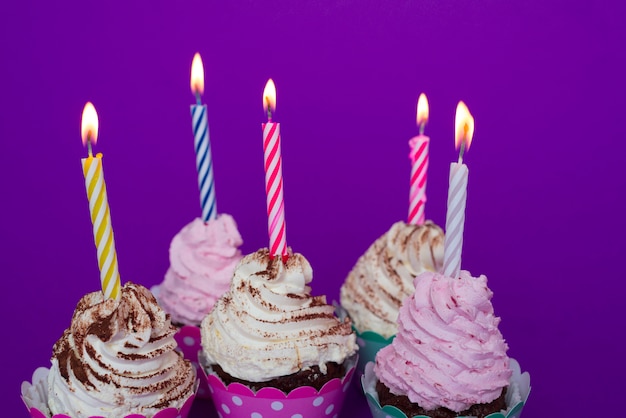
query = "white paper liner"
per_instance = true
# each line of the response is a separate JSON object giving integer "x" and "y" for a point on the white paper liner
{"x": 515, "y": 398}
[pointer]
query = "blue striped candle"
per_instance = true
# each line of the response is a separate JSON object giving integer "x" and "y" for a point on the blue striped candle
{"x": 202, "y": 145}
{"x": 204, "y": 162}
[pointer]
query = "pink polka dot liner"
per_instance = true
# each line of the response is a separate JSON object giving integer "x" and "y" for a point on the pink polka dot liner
{"x": 237, "y": 400}
{"x": 35, "y": 397}
{"x": 189, "y": 340}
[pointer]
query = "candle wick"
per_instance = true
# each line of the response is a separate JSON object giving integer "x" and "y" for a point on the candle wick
{"x": 269, "y": 109}
{"x": 461, "y": 152}
{"x": 422, "y": 126}
{"x": 89, "y": 151}
{"x": 198, "y": 100}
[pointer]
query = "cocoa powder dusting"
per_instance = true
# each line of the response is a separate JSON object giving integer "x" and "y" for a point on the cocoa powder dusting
{"x": 296, "y": 296}
{"x": 404, "y": 242}
{"x": 103, "y": 329}
{"x": 253, "y": 291}
{"x": 136, "y": 356}
{"x": 391, "y": 271}
{"x": 148, "y": 303}
{"x": 311, "y": 316}
{"x": 82, "y": 305}
{"x": 106, "y": 379}
{"x": 79, "y": 369}
{"x": 155, "y": 338}
{"x": 318, "y": 301}
{"x": 136, "y": 310}
{"x": 91, "y": 352}
{"x": 61, "y": 352}
{"x": 424, "y": 237}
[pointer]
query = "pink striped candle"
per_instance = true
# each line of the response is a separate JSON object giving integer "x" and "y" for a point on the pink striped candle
{"x": 419, "y": 166}
{"x": 457, "y": 193}
{"x": 273, "y": 176}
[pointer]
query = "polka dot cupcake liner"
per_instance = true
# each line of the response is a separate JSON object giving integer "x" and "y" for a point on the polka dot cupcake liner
{"x": 516, "y": 395}
{"x": 189, "y": 340}
{"x": 35, "y": 397}
{"x": 238, "y": 401}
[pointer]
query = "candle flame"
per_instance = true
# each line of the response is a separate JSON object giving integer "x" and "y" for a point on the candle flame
{"x": 422, "y": 110}
{"x": 89, "y": 124}
{"x": 197, "y": 75}
{"x": 463, "y": 126}
{"x": 269, "y": 96}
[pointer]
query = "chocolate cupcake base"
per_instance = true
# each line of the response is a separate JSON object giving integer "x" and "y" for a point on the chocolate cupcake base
{"x": 411, "y": 409}
{"x": 309, "y": 377}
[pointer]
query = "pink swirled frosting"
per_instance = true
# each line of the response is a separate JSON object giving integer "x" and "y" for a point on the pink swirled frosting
{"x": 448, "y": 351}
{"x": 203, "y": 257}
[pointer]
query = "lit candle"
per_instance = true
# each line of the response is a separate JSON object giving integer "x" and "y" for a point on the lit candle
{"x": 273, "y": 176}
{"x": 419, "y": 165}
{"x": 457, "y": 193}
{"x": 200, "y": 126}
{"x": 99, "y": 206}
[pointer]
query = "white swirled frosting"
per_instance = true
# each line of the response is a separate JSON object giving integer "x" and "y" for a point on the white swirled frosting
{"x": 268, "y": 325}
{"x": 383, "y": 276}
{"x": 118, "y": 358}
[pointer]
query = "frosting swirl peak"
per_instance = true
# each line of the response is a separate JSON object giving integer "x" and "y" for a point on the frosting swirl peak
{"x": 383, "y": 276}
{"x": 268, "y": 325}
{"x": 203, "y": 257}
{"x": 448, "y": 351}
{"x": 118, "y": 358}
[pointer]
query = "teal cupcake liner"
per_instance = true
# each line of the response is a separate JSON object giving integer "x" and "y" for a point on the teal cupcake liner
{"x": 369, "y": 343}
{"x": 516, "y": 395}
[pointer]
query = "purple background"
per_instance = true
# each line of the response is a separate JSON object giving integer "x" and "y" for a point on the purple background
{"x": 545, "y": 212}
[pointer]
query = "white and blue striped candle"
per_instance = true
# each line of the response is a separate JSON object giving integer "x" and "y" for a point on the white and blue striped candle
{"x": 200, "y": 126}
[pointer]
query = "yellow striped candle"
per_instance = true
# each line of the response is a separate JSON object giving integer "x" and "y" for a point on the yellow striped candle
{"x": 99, "y": 207}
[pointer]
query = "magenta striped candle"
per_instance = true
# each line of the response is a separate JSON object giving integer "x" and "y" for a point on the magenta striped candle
{"x": 419, "y": 166}
{"x": 457, "y": 194}
{"x": 273, "y": 176}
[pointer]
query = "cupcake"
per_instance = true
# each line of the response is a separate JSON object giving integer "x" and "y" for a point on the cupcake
{"x": 383, "y": 277}
{"x": 269, "y": 345}
{"x": 117, "y": 358}
{"x": 203, "y": 256}
{"x": 448, "y": 358}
